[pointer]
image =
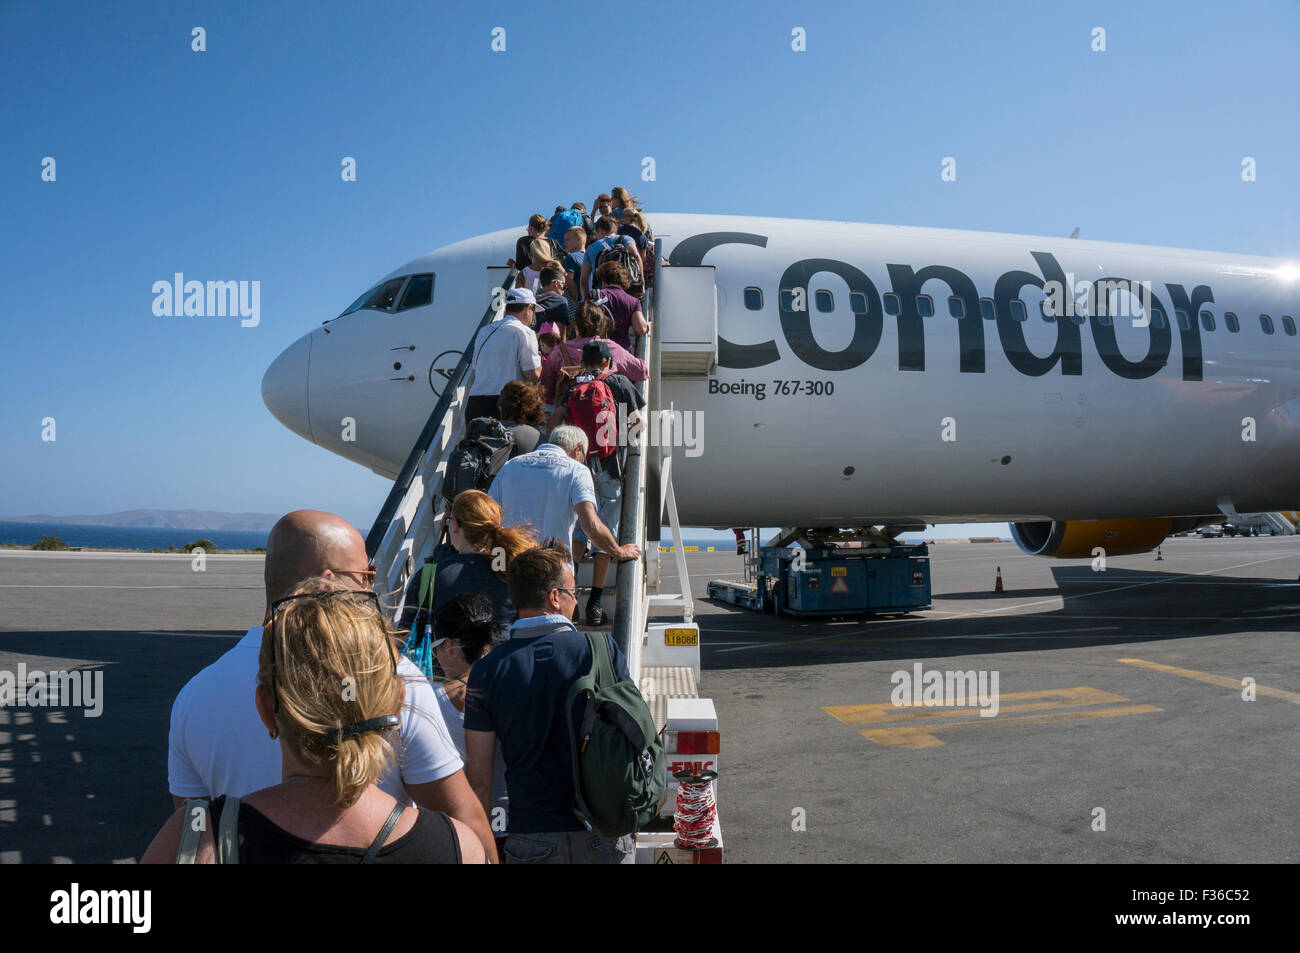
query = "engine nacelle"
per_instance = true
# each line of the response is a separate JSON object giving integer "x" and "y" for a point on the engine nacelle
{"x": 1076, "y": 539}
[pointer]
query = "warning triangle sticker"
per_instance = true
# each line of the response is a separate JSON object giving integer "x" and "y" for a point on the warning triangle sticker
{"x": 839, "y": 584}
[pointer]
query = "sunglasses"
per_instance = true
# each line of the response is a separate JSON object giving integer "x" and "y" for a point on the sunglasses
{"x": 369, "y": 595}
{"x": 368, "y": 573}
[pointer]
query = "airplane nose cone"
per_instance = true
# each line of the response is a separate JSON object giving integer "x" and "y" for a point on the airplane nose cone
{"x": 284, "y": 387}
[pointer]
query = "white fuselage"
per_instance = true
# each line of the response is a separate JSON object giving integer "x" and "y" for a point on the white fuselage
{"x": 940, "y": 418}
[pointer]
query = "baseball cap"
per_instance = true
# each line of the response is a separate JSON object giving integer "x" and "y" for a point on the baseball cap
{"x": 594, "y": 351}
{"x": 520, "y": 296}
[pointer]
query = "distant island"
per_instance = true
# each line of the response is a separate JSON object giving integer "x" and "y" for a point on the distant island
{"x": 162, "y": 519}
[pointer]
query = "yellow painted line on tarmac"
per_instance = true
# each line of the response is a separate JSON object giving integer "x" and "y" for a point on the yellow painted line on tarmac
{"x": 914, "y": 726}
{"x": 888, "y": 711}
{"x": 909, "y": 737}
{"x": 1220, "y": 680}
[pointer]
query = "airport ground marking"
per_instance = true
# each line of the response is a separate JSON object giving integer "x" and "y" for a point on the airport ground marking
{"x": 912, "y": 726}
{"x": 1221, "y": 680}
{"x": 922, "y": 738}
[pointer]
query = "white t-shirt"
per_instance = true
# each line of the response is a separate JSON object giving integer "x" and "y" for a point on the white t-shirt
{"x": 532, "y": 278}
{"x": 218, "y": 744}
{"x": 455, "y": 719}
{"x": 543, "y": 489}
{"x": 506, "y": 350}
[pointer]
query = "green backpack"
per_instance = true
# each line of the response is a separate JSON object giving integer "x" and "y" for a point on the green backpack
{"x": 618, "y": 757}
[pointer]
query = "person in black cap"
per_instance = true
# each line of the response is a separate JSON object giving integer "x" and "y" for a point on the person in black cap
{"x": 603, "y": 404}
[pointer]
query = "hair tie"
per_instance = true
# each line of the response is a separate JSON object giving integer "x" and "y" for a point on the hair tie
{"x": 382, "y": 723}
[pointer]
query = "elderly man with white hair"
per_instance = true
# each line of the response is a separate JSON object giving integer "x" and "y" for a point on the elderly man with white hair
{"x": 550, "y": 489}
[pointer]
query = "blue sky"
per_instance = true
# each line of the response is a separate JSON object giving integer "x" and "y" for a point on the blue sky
{"x": 225, "y": 165}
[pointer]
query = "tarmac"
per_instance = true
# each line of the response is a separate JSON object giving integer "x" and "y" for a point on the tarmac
{"x": 1124, "y": 731}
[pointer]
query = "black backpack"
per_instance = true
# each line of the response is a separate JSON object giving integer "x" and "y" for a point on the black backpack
{"x": 486, "y": 447}
{"x": 627, "y": 256}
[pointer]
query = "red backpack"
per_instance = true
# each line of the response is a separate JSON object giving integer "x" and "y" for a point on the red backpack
{"x": 592, "y": 407}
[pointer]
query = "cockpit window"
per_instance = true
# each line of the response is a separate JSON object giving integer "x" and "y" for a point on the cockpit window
{"x": 379, "y": 298}
{"x": 418, "y": 293}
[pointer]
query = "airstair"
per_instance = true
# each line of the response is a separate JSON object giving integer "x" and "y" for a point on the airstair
{"x": 663, "y": 656}
{"x": 1282, "y": 524}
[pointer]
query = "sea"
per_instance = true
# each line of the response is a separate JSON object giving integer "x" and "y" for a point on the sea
{"x": 128, "y": 537}
{"x": 146, "y": 538}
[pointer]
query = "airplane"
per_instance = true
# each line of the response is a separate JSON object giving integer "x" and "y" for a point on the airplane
{"x": 1089, "y": 393}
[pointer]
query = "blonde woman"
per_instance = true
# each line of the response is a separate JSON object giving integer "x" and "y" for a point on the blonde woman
{"x": 329, "y": 691}
{"x": 543, "y": 256}
{"x": 623, "y": 202}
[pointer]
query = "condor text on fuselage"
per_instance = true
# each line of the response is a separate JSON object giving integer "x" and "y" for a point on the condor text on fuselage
{"x": 972, "y": 310}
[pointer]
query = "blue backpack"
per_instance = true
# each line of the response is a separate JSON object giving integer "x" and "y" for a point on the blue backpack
{"x": 563, "y": 221}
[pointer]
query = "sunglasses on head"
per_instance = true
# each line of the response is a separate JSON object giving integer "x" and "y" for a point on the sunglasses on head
{"x": 368, "y": 595}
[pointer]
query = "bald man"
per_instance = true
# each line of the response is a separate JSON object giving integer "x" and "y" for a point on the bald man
{"x": 218, "y": 745}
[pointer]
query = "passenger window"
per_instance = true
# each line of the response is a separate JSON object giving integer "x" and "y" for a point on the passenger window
{"x": 956, "y": 306}
{"x": 787, "y": 299}
{"x": 1184, "y": 321}
{"x": 1266, "y": 323}
{"x": 925, "y": 306}
{"x": 1018, "y": 310}
{"x": 1042, "y": 310}
{"x": 892, "y": 304}
{"x": 986, "y": 309}
{"x": 418, "y": 293}
{"x": 1288, "y": 325}
{"x": 754, "y": 299}
{"x": 858, "y": 302}
{"x": 1105, "y": 320}
{"x": 1207, "y": 320}
{"x": 825, "y": 301}
{"x": 1230, "y": 322}
{"x": 1158, "y": 319}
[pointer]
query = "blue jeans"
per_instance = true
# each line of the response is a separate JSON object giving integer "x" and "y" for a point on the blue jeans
{"x": 570, "y": 847}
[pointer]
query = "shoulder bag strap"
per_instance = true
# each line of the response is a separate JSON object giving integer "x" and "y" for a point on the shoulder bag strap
{"x": 384, "y": 831}
{"x": 189, "y": 845}
{"x": 600, "y": 657}
{"x": 428, "y": 573}
{"x": 227, "y": 839}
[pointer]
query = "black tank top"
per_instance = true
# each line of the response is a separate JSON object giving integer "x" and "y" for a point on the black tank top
{"x": 431, "y": 840}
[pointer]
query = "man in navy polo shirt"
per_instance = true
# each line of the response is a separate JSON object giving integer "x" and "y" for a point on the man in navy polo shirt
{"x": 516, "y": 696}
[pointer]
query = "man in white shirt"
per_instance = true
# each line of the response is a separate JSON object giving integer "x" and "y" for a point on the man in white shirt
{"x": 551, "y": 489}
{"x": 506, "y": 350}
{"x": 217, "y": 744}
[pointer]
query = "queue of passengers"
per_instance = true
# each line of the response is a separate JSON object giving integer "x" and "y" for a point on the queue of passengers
{"x": 365, "y": 759}
{"x": 585, "y": 308}
{"x": 315, "y": 739}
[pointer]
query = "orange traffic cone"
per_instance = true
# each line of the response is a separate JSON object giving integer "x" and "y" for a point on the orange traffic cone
{"x": 997, "y": 586}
